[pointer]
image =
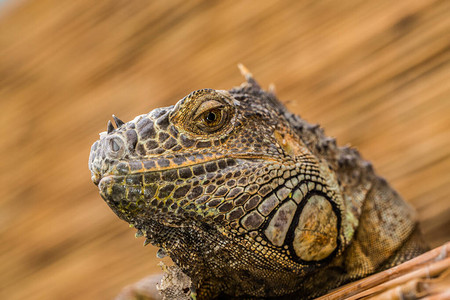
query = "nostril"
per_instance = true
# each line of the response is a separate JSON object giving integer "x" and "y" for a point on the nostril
{"x": 114, "y": 146}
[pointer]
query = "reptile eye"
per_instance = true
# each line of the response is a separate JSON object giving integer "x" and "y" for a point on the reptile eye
{"x": 212, "y": 117}
{"x": 210, "y": 113}
{"x": 212, "y": 120}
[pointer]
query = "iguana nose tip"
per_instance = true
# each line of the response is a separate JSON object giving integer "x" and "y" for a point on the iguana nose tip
{"x": 96, "y": 178}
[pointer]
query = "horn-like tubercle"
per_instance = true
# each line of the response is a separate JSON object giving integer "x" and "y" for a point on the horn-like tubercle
{"x": 118, "y": 121}
{"x": 110, "y": 127}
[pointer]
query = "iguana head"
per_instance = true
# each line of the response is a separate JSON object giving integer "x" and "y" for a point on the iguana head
{"x": 220, "y": 177}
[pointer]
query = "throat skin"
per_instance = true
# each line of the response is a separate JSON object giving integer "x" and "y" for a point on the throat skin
{"x": 250, "y": 200}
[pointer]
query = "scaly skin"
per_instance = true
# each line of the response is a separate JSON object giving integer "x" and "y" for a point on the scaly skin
{"x": 248, "y": 199}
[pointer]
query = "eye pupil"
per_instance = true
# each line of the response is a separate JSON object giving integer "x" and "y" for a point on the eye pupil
{"x": 211, "y": 117}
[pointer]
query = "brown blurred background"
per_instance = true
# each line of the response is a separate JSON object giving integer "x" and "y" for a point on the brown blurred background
{"x": 374, "y": 74}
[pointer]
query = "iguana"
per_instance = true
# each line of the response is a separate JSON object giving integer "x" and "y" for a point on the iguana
{"x": 250, "y": 200}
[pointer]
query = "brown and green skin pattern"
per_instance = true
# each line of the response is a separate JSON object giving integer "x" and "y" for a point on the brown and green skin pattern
{"x": 250, "y": 200}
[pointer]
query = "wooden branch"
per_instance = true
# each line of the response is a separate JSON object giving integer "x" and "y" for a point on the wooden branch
{"x": 427, "y": 275}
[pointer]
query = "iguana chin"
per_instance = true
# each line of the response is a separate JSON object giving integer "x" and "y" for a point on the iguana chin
{"x": 250, "y": 200}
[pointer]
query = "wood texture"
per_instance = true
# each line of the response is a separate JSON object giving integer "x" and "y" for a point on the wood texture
{"x": 423, "y": 276}
{"x": 374, "y": 74}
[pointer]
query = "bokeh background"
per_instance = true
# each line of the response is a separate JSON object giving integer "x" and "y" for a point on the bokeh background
{"x": 374, "y": 74}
